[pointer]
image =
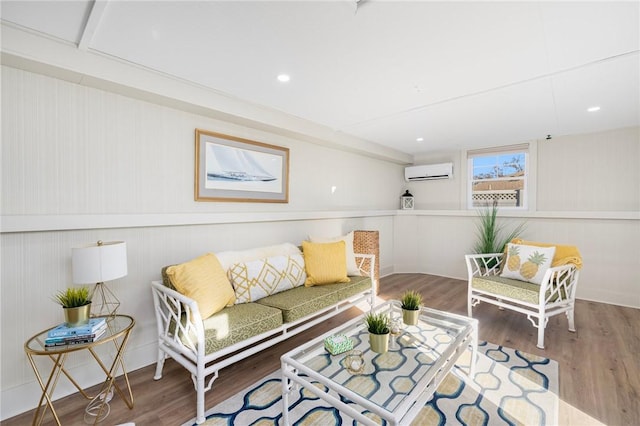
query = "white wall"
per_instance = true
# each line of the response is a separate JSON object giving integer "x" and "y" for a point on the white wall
{"x": 439, "y": 194}
{"x": 587, "y": 195}
{"x": 71, "y": 149}
{"x": 587, "y": 172}
{"x": 591, "y": 172}
{"x": 608, "y": 246}
{"x": 81, "y": 164}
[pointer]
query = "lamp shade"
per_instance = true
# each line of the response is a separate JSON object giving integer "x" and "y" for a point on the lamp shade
{"x": 99, "y": 262}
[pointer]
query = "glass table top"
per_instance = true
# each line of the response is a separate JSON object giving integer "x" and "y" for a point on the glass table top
{"x": 416, "y": 354}
{"x": 116, "y": 326}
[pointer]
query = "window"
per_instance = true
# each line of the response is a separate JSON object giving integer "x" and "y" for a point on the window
{"x": 498, "y": 174}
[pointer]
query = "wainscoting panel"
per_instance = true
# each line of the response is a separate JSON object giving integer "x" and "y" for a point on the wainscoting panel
{"x": 608, "y": 246}
{"x": 35, "y": 265}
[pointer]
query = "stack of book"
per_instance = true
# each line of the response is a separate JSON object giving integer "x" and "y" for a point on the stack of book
{"x": 63, "y": 335}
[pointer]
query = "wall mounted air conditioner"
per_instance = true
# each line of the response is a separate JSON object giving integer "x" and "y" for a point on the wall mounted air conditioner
{"x": 428, "y": 172}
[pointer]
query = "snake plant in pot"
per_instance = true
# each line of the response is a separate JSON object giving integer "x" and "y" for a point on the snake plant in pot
{"x": 76, "y": 303}
{"x": 378, "y": 327}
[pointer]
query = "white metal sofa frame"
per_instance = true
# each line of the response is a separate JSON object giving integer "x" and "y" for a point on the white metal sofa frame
{"x": 170, "y": 306}
{"x": 556, "y": 295}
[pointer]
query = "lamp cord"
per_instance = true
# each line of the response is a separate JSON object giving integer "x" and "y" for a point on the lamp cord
{"x": 98, "y": 407}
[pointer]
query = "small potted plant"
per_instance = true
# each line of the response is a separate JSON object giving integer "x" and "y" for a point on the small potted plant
{"x": 378, "y": 327}
{"x": 76, "y": 303}
{"x": 411, "y": 302}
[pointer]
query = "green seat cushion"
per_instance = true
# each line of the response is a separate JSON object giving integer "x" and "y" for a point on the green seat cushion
{"x": 519, "y": 290}
{"x": 357, "y": 285}
{"x": 515, "y": 289}
{"x": 302, "y": 301}
{"x": 237, "y": 323}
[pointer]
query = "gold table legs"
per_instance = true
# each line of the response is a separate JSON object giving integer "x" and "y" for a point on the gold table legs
{"x": 99, "y": 403}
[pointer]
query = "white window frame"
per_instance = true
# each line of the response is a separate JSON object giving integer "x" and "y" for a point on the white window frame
{"x": 525, "y": 149}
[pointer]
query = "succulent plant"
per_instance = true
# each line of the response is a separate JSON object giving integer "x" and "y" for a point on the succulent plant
{"x": 73, "y": 297}
{"x": 411, "y": 300}
{"x": 377, "y": 323}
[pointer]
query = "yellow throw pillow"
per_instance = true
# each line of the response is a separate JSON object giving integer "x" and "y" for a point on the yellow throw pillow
{"x": 204, "y": 280}
{"x": 352, "y": 266}
{"x": 325, "y": 263}
{"x": 565, "y": 254}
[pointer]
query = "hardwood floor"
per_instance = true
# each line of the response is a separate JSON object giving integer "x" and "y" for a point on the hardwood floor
{"x": 599, "y": 364}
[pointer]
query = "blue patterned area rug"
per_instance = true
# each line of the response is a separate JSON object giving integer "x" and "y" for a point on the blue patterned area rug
{"x": 510, "y": 388}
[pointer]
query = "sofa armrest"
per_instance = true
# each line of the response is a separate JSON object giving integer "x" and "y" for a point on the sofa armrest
{"x": 179, "y": 321}
{"x": 366, "y": 263}
{"x": 368, "y": 242}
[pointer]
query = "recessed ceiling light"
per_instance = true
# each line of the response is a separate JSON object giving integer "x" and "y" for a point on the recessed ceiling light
{"x": 593, "y": 109}
{"x": 284, "y": 78}
{"x": 419, "y": 139}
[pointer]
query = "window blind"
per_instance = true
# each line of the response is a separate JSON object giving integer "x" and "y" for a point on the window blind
{"x": 523, "y": 147}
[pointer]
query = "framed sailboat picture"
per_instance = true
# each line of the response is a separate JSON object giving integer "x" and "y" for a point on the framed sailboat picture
{"x": 229, "y": 168}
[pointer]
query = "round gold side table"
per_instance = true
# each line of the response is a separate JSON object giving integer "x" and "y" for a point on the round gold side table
{"x": 118, "y": 331}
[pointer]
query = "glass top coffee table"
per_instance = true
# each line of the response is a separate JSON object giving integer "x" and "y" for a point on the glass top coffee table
{"x": 393, "y": 386}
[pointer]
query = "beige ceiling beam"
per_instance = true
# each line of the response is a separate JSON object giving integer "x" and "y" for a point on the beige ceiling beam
{"x": 45, "y": 55}
{"x": 93, "y": 20}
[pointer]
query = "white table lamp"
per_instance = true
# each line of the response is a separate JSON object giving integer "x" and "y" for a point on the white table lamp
{"x": 96, "y": 264}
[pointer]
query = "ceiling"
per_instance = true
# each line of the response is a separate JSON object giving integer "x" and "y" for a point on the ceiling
{"x": 459, "y": 75}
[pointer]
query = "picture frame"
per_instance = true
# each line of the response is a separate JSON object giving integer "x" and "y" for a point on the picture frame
{"x": 233, "y": 169}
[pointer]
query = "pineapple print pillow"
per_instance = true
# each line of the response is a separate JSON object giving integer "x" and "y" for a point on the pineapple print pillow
{"x": 527, "y": 263}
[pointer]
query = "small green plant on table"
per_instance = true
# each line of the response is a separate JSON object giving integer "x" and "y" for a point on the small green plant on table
{"x": 377, "y": 323}
{"x": 73, "y": 297}
{"x": 411, "y": 300}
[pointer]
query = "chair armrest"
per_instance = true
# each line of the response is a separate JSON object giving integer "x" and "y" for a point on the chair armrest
{"x": 559, "y": 283}
{"x": 178, "y": 319}
{"x": 482, "y": 265}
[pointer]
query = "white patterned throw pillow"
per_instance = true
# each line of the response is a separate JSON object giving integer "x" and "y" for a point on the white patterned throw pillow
{"x": 256, "y": 279}
{"x": 527, "y": 263}
{"x": 228, "y": 258}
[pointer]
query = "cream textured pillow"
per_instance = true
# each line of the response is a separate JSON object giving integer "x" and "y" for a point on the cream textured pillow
{"x": 260, "y": 278}
{"x": 229, "y": 258}
{"x": 203, "y": 280}
{"x": 352, "y": 267}
{"x": 325, "y": 263}
{"x": 527, "y": 263}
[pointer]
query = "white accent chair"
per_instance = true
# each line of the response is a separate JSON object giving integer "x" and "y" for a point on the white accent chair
{"x": 555, "y": 295}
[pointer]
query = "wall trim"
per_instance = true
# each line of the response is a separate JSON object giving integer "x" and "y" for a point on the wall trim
{"x": 43, "y": 223}
{"x": 595, "y": 215}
